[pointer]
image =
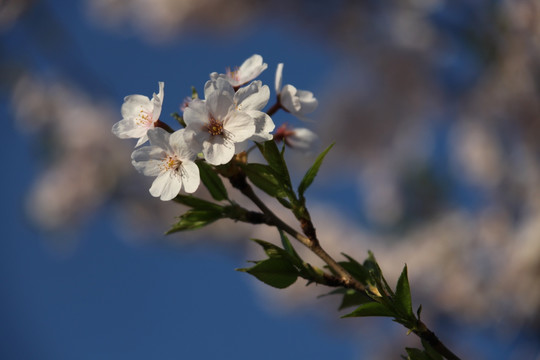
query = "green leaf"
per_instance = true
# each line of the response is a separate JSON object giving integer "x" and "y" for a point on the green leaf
{"x": 194, "y": 219}
{"x": 429, "y": 350}
{"x": 197, "y": 203}
{"x": 212, "y": 181}
{"x": 266, "y": 179}
{"x": 350, "y": 298}
{"x": 275, "y": 160}
{"x": 371, "y": 309}
{"x": 357, "y": 270}
{"x": 403, "y": 294}
{"x": 417, "y": 354}
{"x": 275, "y": 271}
{"x": 288, "y": 246}
{"x": 312, "y": 172}
{"x": 376, "y": 275}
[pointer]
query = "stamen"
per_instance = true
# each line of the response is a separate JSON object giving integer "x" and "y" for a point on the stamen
{"x": 144, "y": 119}
{"x": 215, "y": 127}
{"x": 171, "y": 162}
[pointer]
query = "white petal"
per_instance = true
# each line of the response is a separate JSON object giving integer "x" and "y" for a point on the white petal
{"x": 148, "y": 160}
{"x": 133, "y": 104}
{"x": 308, "y": 102}
{"x": 263, "y": 126}
{"x": 218, "y": 151}
{"x": 279, "y": 72}
{"x": 252, "y": 97}
{"x": 220, "y": 100}
{"x": 239, "y": 126}
{"x": 127, "y": 128}
{"x": 157, "y": 101}
{"x": 289, "y": 100}
{"x": 251, "y": 68}
{"x": 190, "y": 176}
{"x": 303, "y": 139}
{"x": 160, "y": 138}
{"x": 142, "y": 140}
{"x": 161, "y": 184}
{"x": 183, "y": 145}
{"x": 196, "y": 114}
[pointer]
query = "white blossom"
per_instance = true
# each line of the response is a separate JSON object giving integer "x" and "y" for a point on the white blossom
{"x": 297, "y": 102}
{"x": 249, "y": 70}
{"x": 251, "y": 99}
{"x": 302, "y": 139}
{"x": 216, "y": 124}
{"x": 170, "y": 158}
{"x": 139, "y": 115}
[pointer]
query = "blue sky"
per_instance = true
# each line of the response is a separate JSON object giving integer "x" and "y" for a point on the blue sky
{"x": 111, "y": 300}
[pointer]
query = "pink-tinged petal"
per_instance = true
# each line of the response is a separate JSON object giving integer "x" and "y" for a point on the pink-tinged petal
{"x": 160, "y": 138}
{"x": 220, "y": 100}
{"x": 133, "y": 104}
{"x": 157, "y": 101}
{"x": 190, "y": 176}
{"x": 279, "y": 73}
{"x": 263, "y": 126}
{"x": 251, "y": 68}
{"x": 308, "y": 102}
{"x": 239, "y": 126}
{"x": 196, "y": 114}
{"x": 218, "y": 151}
{"x": 252, "y": 97}
{"x": 289, "y": 100}
{"x": 125, "y": 129}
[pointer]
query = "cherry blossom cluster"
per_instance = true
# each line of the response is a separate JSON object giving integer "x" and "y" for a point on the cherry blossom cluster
{"x": 216, "y": 128}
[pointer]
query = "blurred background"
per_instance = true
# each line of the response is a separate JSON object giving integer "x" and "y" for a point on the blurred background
{"x": 434, "y": 107}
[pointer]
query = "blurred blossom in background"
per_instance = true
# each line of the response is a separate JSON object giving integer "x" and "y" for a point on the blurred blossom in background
{"x": 435, "y": 110}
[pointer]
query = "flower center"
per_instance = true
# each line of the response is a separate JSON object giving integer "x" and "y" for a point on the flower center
{"x": 215, "y": 127}
{"x": 171, "y": 162}
{"x": 144, "y": 119}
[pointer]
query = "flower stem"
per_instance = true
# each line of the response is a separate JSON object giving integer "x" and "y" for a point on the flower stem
{"x": 343, "y": 278}
{"x": 274, "y": 108}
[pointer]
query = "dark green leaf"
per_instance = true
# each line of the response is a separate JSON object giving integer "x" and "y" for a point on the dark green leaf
{"x": 429, "y": 350}
{"x": 350, "y": 298}
{"x": 288, "y": 246}
{"x": 357, "y": 270}
{"x": 197, "y": 203}
{"x": 312, "y": 172}
{"x": 284, "y": 202}
{"x": 417, "y": 354}
{"x": 266, "y": 179}
{"x": 275, "y": 160}
{"x": 275, "y": 271}
{"x": 371, "y": 309}
{"x": 194, "y": 219}
{"x": 376, "y": 275}
{"x": 403, "y": 294}
{"x": 212, "y": 181}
